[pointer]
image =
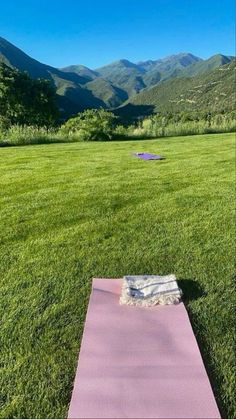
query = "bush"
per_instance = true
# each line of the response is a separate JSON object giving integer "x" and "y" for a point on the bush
{"x": 90, "y": 125}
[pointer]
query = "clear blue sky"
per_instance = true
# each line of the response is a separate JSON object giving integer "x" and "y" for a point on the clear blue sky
{"x": 95, "y": 33}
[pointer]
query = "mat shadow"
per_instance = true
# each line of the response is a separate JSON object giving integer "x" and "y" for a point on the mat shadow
{"x": 192, "y": 290}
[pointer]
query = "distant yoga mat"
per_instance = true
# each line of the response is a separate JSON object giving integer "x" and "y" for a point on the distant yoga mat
{"x": 148, "y": 156}
{"x": 138, "y": 362}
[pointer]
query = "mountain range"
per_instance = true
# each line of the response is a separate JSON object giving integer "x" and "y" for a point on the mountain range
{"x": 118, "y": 84}
{"x": 212, "y": 91}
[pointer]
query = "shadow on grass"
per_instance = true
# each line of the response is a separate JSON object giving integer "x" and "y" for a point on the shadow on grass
{"x": 35, "y": 141}
{"x": 191, "y": 289}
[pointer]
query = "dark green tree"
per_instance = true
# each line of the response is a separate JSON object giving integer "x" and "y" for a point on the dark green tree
{"x": 26, "y": 101}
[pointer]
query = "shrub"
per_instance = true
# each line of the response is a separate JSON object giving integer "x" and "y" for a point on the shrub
{"x": 90, "y": 125}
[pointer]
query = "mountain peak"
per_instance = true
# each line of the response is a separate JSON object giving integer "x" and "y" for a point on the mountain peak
{"x": 174, "y": 62}
{"x": 122, "y": 63}
{"x": 173, "y": 56}
{"x": 126, "y": 63}
{"x": 80, "y": 70}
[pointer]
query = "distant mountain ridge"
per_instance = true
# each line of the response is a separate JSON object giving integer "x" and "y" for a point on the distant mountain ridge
{"x": 79, "y": 87}
{"x": 133, "y": 77}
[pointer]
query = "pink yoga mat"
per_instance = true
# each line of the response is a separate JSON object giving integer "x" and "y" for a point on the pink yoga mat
{"x": 138, "y": 362}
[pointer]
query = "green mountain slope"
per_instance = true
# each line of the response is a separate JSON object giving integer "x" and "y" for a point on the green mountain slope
{"x": 125, "y": 75}
{"x": 14, "y": 57}
{"x": 204, "y": 66}
{"x": 101, "y": 88}
{"x": 104, "y": 90}
{"x": 213, "y": 91}
{"x": 78, "y": 87}
{"x": 73, "y": 97}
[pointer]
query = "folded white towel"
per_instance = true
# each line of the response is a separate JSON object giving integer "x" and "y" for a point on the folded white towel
{"x": 149, "y": 290}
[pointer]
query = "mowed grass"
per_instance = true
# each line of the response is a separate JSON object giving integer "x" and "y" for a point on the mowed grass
{"x": 73, "y": 211}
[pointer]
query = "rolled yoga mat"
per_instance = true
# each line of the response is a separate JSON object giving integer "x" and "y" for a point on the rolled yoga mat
{"x": 138, "y": 362}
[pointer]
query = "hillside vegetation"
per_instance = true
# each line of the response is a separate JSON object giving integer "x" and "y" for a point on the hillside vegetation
{"x": 213, "y": 92}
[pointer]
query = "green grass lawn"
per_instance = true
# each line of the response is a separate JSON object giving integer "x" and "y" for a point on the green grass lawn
{"x": 73, "y": 211}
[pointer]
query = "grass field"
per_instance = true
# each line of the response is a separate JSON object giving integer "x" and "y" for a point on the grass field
{"x": 73, "y": 211}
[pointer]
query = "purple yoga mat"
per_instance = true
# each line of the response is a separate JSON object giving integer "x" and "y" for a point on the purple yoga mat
{"x": 138, "y": 362}
{"x": 148, "y": 156}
